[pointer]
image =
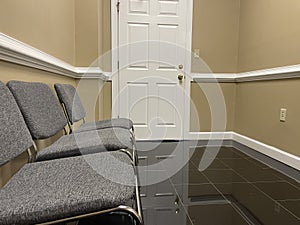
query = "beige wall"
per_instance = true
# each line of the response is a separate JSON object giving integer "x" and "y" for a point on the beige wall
{"x": 244, "y": 35}
{"x": 96, "y": 98}
{"x": 257, "y": 113}
{"x": 75, "y": 31}
{"x": 46, "y": 25}
{"x": 93, "y": 40}
{"x": 56, "y": 27}
{"x": 200, "y": 108}
{"x": 9, "y": 71}
{"x": 253, "y": 110}
{"x": 106, "y": 36}
{"x": 215, "y": 34}
{"x": 86, "y": 31}
{"x": 9, "y": 169}
{"x": 269, "y": 37}
{"x": 232, "y": 35}
{"x": 269, "y": 34}
{"x": 105, "y": 101}
{"x": 93, "y": 33}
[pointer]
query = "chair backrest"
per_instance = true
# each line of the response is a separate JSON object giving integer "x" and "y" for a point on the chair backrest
{"x": 14, "y": 134}
{"x": 68, "y": 95}
{"x": 40, "y": 108}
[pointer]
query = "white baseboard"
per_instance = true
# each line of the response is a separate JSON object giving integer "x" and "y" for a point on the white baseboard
{"x": 273, "y": 152}
{"x": 210, "y": 135}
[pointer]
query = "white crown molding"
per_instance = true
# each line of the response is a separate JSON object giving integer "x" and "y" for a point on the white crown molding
{"x": 275, "y": 153}
{"x": 17, "y": 52}
{"x": 277, "y": 73}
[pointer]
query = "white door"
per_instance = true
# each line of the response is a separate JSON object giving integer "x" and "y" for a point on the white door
{"x": 152, "y": 57}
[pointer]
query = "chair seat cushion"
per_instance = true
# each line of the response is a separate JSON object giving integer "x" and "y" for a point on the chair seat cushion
{"x": 117, "y": 122}
{"x": 110, "y": 139}
{"x": 46, "y": 191}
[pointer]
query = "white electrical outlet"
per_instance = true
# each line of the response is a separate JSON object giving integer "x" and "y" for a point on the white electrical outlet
{"x": 283, "y": 115}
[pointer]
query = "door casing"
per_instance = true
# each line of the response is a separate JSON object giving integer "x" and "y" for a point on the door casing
{"x": 115, "y": 57}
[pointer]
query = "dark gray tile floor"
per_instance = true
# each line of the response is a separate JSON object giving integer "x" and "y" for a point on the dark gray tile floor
{"x": 187, "y": 184}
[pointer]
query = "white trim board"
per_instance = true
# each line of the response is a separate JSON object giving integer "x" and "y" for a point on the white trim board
{"x": 115, "y": 54}
{"x": 210, "y": 135}
{"x": 277, "y": 73}
{"x": 275, "y": 153}
{"x": 17, "y": 52}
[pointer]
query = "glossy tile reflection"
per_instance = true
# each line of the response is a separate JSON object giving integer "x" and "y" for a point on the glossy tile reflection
{"x": 188, "y": 185}
{"x": 223, "y": 214}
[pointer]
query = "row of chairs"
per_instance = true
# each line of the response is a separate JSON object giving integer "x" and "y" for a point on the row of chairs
{"x": 89, "y": 171}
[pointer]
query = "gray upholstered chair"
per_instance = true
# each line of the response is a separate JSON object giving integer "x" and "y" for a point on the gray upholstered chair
{"x": 45, "y": 117}
{"x": 75, "y": 111}
{"x": 61, "y": 190}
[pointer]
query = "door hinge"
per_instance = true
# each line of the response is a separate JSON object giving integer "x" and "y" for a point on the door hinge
{"x": 118, "y": 65}
{"x": 118, "y": 7}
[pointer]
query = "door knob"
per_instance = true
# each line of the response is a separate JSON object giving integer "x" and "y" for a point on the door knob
{"x": 180, "y": 66}
{"x": 180, "y": 77}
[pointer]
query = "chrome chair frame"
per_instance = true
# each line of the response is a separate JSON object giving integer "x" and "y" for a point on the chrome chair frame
{"x": 133, "y": 156}
{"x": 136, "y": 214}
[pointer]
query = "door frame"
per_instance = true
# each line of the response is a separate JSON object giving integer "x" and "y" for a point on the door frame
{"x": 188, "y": 70}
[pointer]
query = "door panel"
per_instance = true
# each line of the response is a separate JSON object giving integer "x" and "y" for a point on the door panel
{"x": 138, "y": 32}
{"x": 138, "y": 7}
{"x": 166, "y": 113}
{"x": 169, "y": 8}
{"x": 152, "y": 46}
{"x": 140, "y": 119}
{"x": 167, "y": 53}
